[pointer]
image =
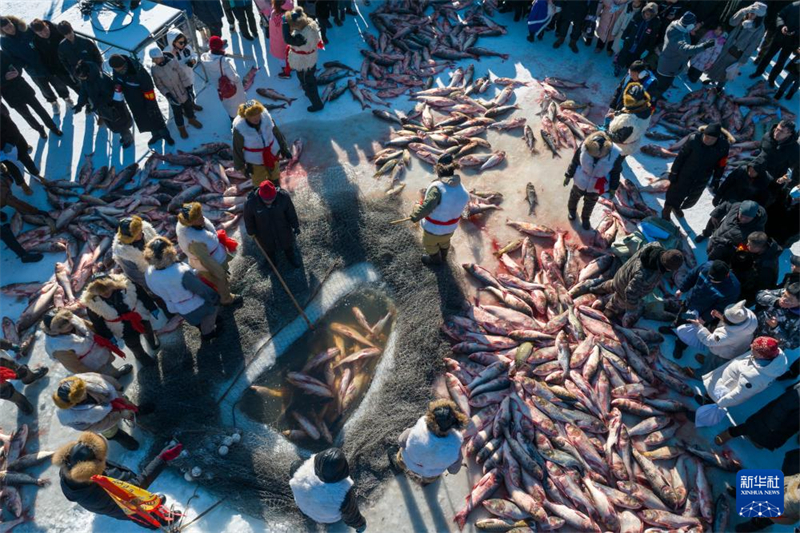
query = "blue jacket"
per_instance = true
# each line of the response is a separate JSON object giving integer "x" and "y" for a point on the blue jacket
{"x": 538, "y": 18}
{"x": 20, "y": 47}
{"x": 704, "y": 296}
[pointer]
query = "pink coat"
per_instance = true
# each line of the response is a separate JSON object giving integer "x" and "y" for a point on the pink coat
{"x": 277, "y": 46}
{"x": 608, "y": 11}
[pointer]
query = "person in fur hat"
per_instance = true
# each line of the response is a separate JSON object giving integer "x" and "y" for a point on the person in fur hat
{"x": 302, "y": 35}
{"x": 702, "y": 158}
{"x": 94, "y": 402}
{"x": 432, "y": 445}
{"x": 258, "y": 145}
{"x": 181, "y": 288}
{"x": 629, "y": 124}
{"x": 323, "y": 490}
{"x": 118, "y": 311}
{"x": 87, "y": 456}
{"x": 127, "y": 249}
{"x": 11, "y": 370}
{"x": 207, "y": 250}
{"x": 70, "y": 340}
{"x": 596, "y": 167}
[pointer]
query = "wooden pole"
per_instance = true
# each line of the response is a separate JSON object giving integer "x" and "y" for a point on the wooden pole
{"x": 399, "y": 221}
{"x": 285, "y": 287}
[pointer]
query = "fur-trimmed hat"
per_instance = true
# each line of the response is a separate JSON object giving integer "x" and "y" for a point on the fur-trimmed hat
{"x": 70, "y": 392}
{"x": 160, "y": 253}
{"x": 251, "y": 108}
{"x": 129, "y": 229}
{"x": 102, "y": 282}
{"x": 444, "y": 415}
{"x": 83, "y": 458}
{"x": 191, "y": 214}
{"x": 297, "y": 18}
{"x": 598, "y": 144}
{"x": 635, "y": 96}
{"x": 59, "y": 323}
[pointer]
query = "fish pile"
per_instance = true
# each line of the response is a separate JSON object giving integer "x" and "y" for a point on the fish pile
{"x": 12, "y": 462}
{"x": 319, "y": 396}
{"x": 83, "y": 224}
{"x": 568, "y": 416}
{"x": 706, "y": 106}
{"x": 563, "y": 126}
{"x": 453, "y": 128}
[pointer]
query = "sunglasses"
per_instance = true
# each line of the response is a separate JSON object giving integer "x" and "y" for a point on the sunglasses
{"x": 182, "y": 41}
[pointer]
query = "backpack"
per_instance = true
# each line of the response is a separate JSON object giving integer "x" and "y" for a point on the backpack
{"x": 225, "y": 87}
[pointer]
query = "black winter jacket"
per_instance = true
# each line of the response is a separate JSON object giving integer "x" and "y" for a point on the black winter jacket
{"x": 731, "y": 233}
{"x": 16, "y": 92}
{"x": 757, "y": 272}
{"x": 640, "y": 35}
{"x": 97, "y": 92}
{"x": 272, "y": 226}
{"x": 48, "y": 49}
{"x": 703, "y": 296}
{"x": 95, "y": 499}
{"x": 208, "y": 11}
{"x": 780, "y": 157}
{"x": 695, "y": 165}
{"x": 20, "y": 46}
{"x": 140, "y": 95}
{"x": 81, "y": 49}
{"x": 739, "y": 186}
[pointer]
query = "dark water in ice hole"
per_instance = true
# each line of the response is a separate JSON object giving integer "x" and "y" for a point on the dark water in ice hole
{"x": 275, "y": 411}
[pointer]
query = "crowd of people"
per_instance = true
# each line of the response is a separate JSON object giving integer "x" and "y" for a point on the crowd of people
{"x": 733, "y": 310}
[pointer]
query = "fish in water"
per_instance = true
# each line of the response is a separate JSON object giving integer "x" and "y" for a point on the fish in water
{"x": 530, "y": 195}
{"x": 249, "y": 78}
{"x": 274, "y": 95}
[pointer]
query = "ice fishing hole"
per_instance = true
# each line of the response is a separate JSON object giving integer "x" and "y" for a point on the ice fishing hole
{"x": 277, "y": 396}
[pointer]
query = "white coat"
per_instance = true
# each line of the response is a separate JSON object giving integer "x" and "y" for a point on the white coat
{"x": 184, "y": 57}
{"x": 429, "y": 455}
{"x": 634, "y": 140}
{"x": 217, "y": 65}
{"x": 741, "y": 378}
{"x": 167, "y": 284}
{"x": 321, "y": 501}
{"x": 443, "y": 220}
{"x": 131, "y": 259}
{"x": 110, "y": 315}
{"x": 591, "y": 171}
{"x": 97, "y": 417}
{"x": 257, "y": 140}
{"x": 207, "y": 235}
{"x": 305, "y": 57}
{"x": 727, "y": 340}
{"x": 81, "y": 341}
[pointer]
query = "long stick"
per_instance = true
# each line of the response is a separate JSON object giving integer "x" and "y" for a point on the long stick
{"x": 393, "y": 222}
{"x": 285, "y": 287}
{"x": 201, "y": 515}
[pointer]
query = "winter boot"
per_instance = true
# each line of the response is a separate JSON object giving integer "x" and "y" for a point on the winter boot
{"x": 286, "y": 73}
{"x": 666, "y": 213}
{"x": 573, "y": 45}
{"x": 24, "y": 405}
{"x": 754, "y": 524}
{"x": 196, "y": 108}
{"x": 41, "y": 132}
{"x": 122, "y": 371}
{"x": 678, "y": 212}
{"x": 530, "y": 38}
{"x": 391, "y": 453}
{"x": 680, "y": 346}
{"x": 195, "y": 123}
{"x": 169, "y": 140}
{"x": 558, "y": 42}
{"x": 183, "y": 133}
{"x": 666, "y": 330}
{"x": 443, "y": 252}
{"x": 28, "y": 376}
{"x": 125, "y": 440}
{"x": 432, "y": 259}
{"x": 10, "y": 240}
{"x": 586, "y": 225}
{"x": 572, "y": 215}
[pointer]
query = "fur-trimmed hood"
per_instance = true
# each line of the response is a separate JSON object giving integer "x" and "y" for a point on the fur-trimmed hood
{"x": 728, "y": 135}
{"x": 83, "y": 471}
{"x": 71, "y": 391}
{"x": 430, "y": 419}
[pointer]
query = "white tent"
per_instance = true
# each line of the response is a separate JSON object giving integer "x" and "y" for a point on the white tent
{"x": 125, "y": 30}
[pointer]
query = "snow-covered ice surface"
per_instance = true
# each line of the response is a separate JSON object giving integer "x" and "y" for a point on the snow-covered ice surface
{"x": 402, "y": 505}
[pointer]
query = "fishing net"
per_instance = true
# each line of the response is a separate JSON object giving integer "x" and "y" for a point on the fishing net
{"x": 338, "y": 225}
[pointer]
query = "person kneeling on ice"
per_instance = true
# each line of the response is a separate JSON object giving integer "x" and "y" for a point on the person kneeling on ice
{"x": 94, "y": 402}
{"x": 440, "y": 211}
{"x": 324, "y": 491}
{"x": 258, "y": 145}
{"x": 270, "y": 219}
{"x": 181, "y": 288}
{"x": 118, "y": 311}
{"x": 105, "y": 488}
{"x": 731, "y": 338}
{"x": 596, "y": 167}
{"x": 432, "y": 445}
{"x": 70, "y": 340}
{"x": 637, "y": 278}
{"x": 741, "y": 378}
{"x": 207, "y": 251}
{"x": 302, "y": 35}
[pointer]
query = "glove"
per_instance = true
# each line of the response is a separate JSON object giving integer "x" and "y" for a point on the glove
{"x": 77, "y": 108}
{"x": 121, "y": 404}
{"x": 171, "y": 452}
{"x": 172, "y": 101}
{"x": 567, "y": 177}
{"x": 286, "y": 154}
{"x": 708, "y": 44}
{"x": 297, "y": 231}
{"x": 248, "y": 171}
